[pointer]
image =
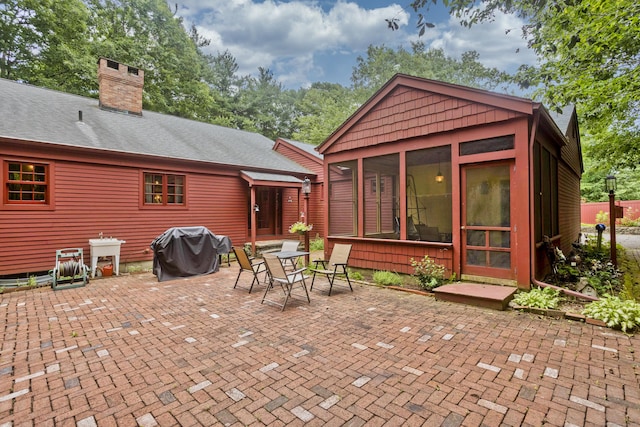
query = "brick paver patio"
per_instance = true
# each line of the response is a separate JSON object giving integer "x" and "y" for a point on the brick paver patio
{"x": 131, "y": 351}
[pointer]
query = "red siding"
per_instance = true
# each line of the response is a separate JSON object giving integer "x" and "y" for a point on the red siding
{"x": 392, "y": 255}
{"x": 93, "y": 198}
{"x": 313, "y": 164}
{"x": 407, "y": 113}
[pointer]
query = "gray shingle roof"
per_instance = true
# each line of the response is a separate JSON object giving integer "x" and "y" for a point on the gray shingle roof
{"x": 563, "y": 118}
{"x": 44, "y": 115}
{"x": 309, "y": 148}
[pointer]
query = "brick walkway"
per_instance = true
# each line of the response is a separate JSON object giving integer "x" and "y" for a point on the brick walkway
{"x": 131, "y": 351}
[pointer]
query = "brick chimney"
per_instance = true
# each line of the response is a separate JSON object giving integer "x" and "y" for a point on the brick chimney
{"x": 120, "y": 87}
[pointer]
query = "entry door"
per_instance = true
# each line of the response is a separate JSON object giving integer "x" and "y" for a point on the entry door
{"x": 269, "y": 217}
{"x": 486, "y": 221}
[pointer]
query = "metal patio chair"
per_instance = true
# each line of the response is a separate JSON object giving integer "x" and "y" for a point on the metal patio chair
{"x": 337, "y": 264}
{"x": 255, "y": 267}
{"x": 285, "y": 280}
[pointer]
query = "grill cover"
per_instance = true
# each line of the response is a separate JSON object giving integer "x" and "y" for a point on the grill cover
{"x": 187, "y": 251}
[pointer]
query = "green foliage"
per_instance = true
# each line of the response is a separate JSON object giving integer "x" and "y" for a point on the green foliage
{"x": 430, "y": 274}
{"x": 300, "y": 227}
{"x": 615, "y": 312}
{"x": 387, "y": 278}
{"x": 355, "y": 275}
{"x": 538, "y": 298}
{"x": 602, "y": 217}
{"x": 592, "y": 187}
{"x": 588, "y": 56}
{"x": 383, "y": 62}
{"x": 316, "y": 244}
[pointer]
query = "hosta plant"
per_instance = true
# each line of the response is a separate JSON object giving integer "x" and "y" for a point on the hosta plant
{"x": 615, "y": 312}
{"x": 538, "y": 298}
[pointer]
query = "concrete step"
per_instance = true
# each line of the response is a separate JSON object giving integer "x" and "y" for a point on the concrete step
{"x": 476, "y": 294}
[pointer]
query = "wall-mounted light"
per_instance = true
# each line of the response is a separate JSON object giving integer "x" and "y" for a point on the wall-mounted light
{"x": 306, "y": 186}
{"x": 289, "y": 199}
{"x": 256, "y": 208}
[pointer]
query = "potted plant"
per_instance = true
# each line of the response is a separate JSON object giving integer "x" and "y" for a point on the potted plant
{"x": 300, "y": 227}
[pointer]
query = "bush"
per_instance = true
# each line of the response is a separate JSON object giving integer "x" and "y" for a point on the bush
{"x": 615, "y": 312}
{"x": 355, "y": 275}
{"x": 316, "y": 244}
{"x": 538, "y": 298}
{"x": 430, "y": 274}
{"x": 387, "y": 278}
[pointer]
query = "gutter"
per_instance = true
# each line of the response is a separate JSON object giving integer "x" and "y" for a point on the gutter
{"x": 569, "y": 292}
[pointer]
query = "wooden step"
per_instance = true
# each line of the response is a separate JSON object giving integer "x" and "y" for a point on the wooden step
{"x": 480, "y": 295}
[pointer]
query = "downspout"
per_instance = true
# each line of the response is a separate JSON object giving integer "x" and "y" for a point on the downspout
{"x": 532, "y": 240}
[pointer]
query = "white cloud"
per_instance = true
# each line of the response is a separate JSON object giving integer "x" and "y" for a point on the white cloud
{"x": 286, "y": 37}
{"x": 295, "y": 38}
{"x": 497, "y": 48}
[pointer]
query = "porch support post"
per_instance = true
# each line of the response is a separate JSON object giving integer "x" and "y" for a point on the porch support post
{"x": 254, "y": 222}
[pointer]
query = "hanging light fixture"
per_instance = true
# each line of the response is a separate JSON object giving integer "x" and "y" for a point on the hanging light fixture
{"x": 439, "y": 177}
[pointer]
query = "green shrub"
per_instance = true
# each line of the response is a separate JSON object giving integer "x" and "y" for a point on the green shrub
{"x": 387, "y": 278}
{"x": 316, "y": 244}
{"x": 538, "y": 298}
{"x": 355, "y": 275}
{"x": 602, "y": 218}
{"x": 430, "y": 274}
{"x": 616, "y": 313}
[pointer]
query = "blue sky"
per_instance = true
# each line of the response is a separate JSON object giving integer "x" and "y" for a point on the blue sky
{"x": 305, "y": 41}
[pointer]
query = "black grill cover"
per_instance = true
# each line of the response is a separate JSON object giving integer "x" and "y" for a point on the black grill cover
{"x": 187, "y": 251}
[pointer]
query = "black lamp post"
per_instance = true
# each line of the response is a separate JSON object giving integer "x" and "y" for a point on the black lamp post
{"x": 610, "y": 185}
{"x": 306, "y": 190}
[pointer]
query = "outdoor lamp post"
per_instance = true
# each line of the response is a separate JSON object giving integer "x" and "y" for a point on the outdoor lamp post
{"x": 306, "y": 190}
{"x": 610, "y": 185}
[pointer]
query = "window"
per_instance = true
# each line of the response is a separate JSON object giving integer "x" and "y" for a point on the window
{"x": 343, "y": 198}
{"x": 546, "y": 189}
{"x": 487, "y": 145}
{"x": 164, "y": 189}
{"x": 26, "y": 183}
{"x": 381, "y": 207}
{"x": 429, "y": 201}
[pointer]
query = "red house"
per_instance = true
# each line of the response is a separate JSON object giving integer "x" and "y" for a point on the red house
{"x": 471, "y": 178}
{"x": 74, "y": 167}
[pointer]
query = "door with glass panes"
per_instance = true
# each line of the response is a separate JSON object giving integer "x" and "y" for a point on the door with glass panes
{"x": 486, "y": 231}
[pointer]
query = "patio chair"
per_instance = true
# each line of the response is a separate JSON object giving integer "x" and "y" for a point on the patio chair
{"x": 337, "y": 264}
{"x": 255, "y": 267}
{"x": 290, "y": 246}
{"x": 278, "y": 276}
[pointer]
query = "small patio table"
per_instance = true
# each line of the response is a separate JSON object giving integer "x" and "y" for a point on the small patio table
{"x": 284, "y": 255}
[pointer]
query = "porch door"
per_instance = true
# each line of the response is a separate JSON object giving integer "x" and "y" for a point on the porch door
{"x": 269, "y": 218}
{"x": 486, "y": 221}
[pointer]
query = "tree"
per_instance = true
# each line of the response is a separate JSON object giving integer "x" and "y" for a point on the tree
{"x": 383, "y": 62}
{"x": 323, "y": 107}
{"x": 44, "y": 42}
{"x": 590, "y": 56}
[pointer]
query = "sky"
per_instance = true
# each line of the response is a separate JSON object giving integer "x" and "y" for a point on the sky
{"x": 304, "y": 41}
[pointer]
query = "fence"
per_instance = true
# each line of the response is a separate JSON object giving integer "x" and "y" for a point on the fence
{"x": 589, "y": 211}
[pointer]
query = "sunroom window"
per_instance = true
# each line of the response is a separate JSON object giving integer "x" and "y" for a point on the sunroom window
{"x": 343, "y": 198}
{"x": 381, "y": 196}
{"x": 429, "y": 202}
